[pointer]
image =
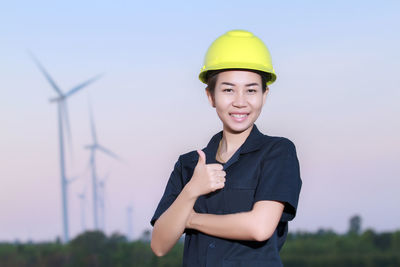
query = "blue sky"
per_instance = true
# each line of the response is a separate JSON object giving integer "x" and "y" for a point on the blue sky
{"x": 336, "y": 97}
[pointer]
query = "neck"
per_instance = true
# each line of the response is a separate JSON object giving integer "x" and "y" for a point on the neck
{"x": 231, "y": 141}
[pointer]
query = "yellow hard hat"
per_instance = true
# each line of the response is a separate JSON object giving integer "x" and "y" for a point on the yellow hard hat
{"x": 238, "y": 49}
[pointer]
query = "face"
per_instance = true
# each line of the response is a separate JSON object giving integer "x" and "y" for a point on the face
{"x": 238, "y": 99}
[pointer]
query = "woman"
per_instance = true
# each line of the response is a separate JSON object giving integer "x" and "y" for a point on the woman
{"x": 234, "y": 198}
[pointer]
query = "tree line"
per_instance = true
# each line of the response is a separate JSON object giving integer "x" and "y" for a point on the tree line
{"x": 321, "y": 248}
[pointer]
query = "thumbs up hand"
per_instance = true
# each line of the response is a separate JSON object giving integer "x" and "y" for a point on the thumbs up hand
{"x": 206, "y": 177}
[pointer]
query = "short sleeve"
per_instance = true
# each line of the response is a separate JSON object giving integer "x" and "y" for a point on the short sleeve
{"x": 172, "y": 190}
{"x": 280, "y": 178}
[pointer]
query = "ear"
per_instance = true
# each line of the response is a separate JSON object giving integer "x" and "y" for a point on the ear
{"x": 265, "y": 95}
{"x": 210, "y": 98}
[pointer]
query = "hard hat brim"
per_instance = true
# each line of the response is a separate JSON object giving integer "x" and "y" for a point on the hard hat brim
{"x": 238, "y": 66}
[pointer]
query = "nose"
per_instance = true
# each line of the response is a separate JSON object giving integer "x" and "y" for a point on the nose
{"x": 239, "y": 100}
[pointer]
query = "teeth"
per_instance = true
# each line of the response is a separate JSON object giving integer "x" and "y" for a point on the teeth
{"x": 239, "y": 115}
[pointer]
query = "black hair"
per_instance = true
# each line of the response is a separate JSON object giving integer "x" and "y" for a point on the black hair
{"x": 212, "y": 75}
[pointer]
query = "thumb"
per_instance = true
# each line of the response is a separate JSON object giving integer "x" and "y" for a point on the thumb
{"x": 202, "y": 157}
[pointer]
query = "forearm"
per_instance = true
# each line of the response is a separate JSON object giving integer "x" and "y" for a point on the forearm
{"x": 171, "y": 224}
{"x": 258, "y": 224}
{"x": 238, "y": 226}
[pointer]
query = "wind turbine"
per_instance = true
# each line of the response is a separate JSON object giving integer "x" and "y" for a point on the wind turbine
{"x": 82, "y": 197}
{"x": 63, "y": 120}
{"x": 102, "y": 197}
{"x": 93, "y": 148}
{"x": 129, "y": 211}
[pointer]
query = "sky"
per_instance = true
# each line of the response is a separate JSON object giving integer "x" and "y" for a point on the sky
{"x": 336, "y": 97}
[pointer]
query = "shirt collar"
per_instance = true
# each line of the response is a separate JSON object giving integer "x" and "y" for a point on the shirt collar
{"x": 252, "y": 143}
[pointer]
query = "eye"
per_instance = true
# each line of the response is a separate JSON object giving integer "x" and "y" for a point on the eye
{"x": 228, "y": 90}
{"x": 252, "y": 90}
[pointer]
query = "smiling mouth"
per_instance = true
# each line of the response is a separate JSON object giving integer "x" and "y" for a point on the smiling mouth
{"x": 238, "y": 115}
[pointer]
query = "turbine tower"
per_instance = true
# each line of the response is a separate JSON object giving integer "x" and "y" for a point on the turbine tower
{"x": 93, "y": 148}
{"x": 129, "y": 211}
{"x": 63, "y": 121}
{"x": 82, "y": 197}
{"x": 102, "y": 199}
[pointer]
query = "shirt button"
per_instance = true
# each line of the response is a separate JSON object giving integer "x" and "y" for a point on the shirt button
{"x": 212, "y": 245}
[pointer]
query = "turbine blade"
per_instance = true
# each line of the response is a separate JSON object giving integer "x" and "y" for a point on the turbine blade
{"x": 66, "y": 119}
{"x": 88, "y": 165}
{"x": 85, "y": 188}
{"x": 88, "y": 147}
{"x": 106, "y": 177}
{"x": 44, "y": 72}
{"x": 64, "y": 110}
{"x": 108, "y": 152}
{"x": 72, "y": 179}
{"x": 92, "y": 126}
{"x": 82, "y": 85}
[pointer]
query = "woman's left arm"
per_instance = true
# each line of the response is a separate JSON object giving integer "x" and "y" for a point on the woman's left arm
{"x": 258, "y": 224}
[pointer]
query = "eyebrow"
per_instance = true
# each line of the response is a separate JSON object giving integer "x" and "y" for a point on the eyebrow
{"x": 232, "y": 84}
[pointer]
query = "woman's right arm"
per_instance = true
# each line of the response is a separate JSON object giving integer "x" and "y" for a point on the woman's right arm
{"x": 171, "y": 224}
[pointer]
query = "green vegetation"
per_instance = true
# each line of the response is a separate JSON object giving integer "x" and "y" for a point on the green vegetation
{"x": 91, "y": 248}
{"x": 322, "y": 248}
{"x": 325, "y": 248}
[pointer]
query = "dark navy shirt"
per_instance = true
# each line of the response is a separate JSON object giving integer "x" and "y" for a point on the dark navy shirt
{"x": 263, "y": 168}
